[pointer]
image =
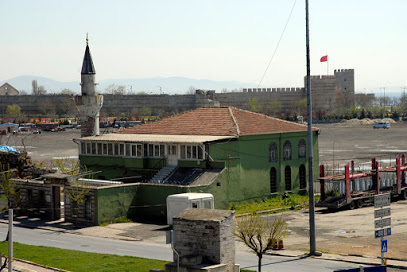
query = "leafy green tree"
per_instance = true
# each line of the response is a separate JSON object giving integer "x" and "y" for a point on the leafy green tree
{"x": 260, "y": 233}
{"x": 13, "y": 111}
{"x": 301, "y": 105}
{"x": 145, "y": 111}
{"x": 8, "y": 185}
{"x": 275, "y": 106}
{"x": 253, "y": 105}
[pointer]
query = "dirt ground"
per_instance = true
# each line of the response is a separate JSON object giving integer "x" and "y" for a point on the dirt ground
{"x": 347, "y": 232}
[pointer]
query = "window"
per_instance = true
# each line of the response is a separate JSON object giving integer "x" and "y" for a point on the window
{"x": 116, "y": 149}
{"x": 273, "y": 180}
{"x": 100, "y": 149}
{"x": 88, "y": 147}
{"x": 156, "y": 150}
{"x": 302, "y": 149}
{"x": 192, "y": 152}
{"x": 128, "y": 150}
{"x": 109, "y": 149}
{"x": 93, "y": 148}
{"x": 104, "y": 149}
{"x": 83, "y": 148}
{"x": 303, "y": 178}
{"x": 121, "y": 149}
{"x": 172, "y": 150}
{"x": 136, "y": 150}
{"x": 287, "y": 150}
{"x": 287, "y": 173}
{"x": 273, "y": 152}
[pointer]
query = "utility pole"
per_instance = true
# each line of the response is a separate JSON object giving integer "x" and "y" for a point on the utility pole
{"x": 310, "y": 145}
{"x": 10, "y": 240}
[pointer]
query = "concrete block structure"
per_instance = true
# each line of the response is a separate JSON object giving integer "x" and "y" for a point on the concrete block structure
{"x": 204, "y": 241}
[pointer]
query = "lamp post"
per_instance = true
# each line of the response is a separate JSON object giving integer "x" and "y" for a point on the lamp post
{"x": 312, "y": 231}
{"x": 160, "y": 89}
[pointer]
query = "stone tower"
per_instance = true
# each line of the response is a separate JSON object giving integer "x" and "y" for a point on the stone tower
{"x": 89, "y": 103}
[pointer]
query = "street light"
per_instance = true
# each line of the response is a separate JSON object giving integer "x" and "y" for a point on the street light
{"x": 160, "y": 89}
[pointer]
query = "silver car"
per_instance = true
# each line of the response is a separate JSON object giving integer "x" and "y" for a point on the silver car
{"x": 382, "y": 125}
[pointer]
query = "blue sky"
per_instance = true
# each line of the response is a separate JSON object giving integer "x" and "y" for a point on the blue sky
{"x": 211, "y": 39}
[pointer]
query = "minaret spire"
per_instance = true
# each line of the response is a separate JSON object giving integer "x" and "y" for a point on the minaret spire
{"x": 89, "y": 103}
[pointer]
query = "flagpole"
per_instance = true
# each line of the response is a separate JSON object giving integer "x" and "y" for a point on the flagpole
{"x": 327, "y": 67}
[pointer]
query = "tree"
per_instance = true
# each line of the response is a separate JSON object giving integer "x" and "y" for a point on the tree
{"x": 47, "y": 108}
{"x": 301, "y": 105}
{"x": 120, "y": 90}
{"x": 13, "y": 111}
{"x": 191, "y": 90}
{"x": 253, "y": 105}
{"x": 117, "y": 90}
{"x": 67, "y": 92}
{"x": 145, "y": 111}
{"x": 40, "y": 91}
{"x": 8, "y": 186}
{"x": 141, "y": 93}
{"x": 77, "y": 189}
{"x": 275, "y": 106}
{"x": 260, "y": 234}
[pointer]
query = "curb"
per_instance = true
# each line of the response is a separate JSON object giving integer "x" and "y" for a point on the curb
{"x": 335, "y": 258}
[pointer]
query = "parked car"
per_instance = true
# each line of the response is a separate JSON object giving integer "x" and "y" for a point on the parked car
{"x": 382, "y": 125}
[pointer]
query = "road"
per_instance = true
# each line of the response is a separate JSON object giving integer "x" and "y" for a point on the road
{"x": 247, "y": 260}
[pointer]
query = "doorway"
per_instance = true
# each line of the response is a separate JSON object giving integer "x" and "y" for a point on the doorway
{"x": 58, "y": 209}
{"x": 172, "y": 157}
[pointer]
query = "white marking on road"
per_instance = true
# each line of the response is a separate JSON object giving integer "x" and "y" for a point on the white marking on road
{"x": 58, "y": 241}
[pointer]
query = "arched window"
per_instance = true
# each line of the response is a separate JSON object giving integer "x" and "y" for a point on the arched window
{"x": 287, "y": 150}
{"x": 273, "y": 180}
{"x": 273, "y": 152}
{"x": 303, "y": 177}
{"x": 287, "y": 178}
{"x": 302, "y": 149}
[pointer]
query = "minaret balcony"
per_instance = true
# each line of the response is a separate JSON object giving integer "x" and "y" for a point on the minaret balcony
{"x": 91, "y": 101}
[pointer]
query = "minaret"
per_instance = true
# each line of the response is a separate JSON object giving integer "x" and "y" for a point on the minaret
{"x": 89, "y": 103}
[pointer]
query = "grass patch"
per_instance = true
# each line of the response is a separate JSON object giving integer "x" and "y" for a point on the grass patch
{"x": 284, "y": 202}
{"x": 81, "y": 261}
{"x": 122, "y": 219}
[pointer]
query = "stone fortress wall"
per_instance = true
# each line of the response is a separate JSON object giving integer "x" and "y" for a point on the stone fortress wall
{"x": 325, "y": 92}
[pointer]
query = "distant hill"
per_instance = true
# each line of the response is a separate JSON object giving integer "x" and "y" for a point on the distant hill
{"x": 169, "y": 85}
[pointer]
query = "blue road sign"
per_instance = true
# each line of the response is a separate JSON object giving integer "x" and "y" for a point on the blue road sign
{"x": 382, "y": 233}
{"x": 384, "y": 246}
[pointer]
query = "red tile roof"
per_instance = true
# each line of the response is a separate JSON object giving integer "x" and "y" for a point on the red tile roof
{"x": 217, "y": 121}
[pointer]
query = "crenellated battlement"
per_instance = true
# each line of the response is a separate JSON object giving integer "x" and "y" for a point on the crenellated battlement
{"x": 272, "y": 90}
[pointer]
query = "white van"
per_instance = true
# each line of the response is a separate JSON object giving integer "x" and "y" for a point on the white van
{"x": 179, "y": 202}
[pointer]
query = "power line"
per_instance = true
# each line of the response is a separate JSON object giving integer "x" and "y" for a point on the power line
{"x": 275, "y": 50}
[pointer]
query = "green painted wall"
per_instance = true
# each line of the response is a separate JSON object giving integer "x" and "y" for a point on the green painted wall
{"x": 247, "y": 173}
{"x": 143, "y": 200}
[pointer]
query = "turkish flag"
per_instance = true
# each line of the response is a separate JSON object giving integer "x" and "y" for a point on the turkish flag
{"x": 324, "y": 58}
